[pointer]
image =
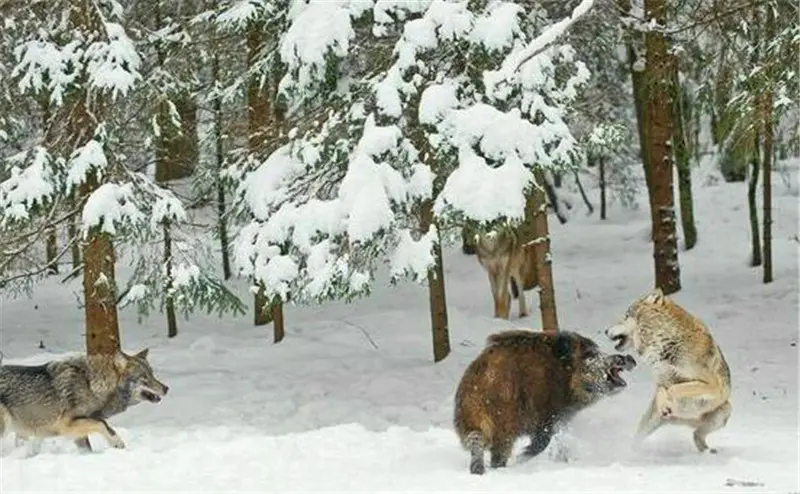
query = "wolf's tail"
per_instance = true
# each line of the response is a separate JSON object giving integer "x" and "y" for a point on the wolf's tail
{"x": 514, "y": 288}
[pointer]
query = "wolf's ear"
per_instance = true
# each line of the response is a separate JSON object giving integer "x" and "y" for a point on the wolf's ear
{"x": 143, "y": 354}
{"x": 656, "y": 296}
{"x": 120, "y": 360}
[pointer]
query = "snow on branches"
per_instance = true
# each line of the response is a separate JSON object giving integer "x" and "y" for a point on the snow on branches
{"x": 429, "y": 145}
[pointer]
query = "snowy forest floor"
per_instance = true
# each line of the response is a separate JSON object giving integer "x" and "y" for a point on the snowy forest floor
{"x": 351, "y": 400}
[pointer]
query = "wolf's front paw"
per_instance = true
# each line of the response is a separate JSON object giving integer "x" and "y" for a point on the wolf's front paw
{"x": 116, "y": 442}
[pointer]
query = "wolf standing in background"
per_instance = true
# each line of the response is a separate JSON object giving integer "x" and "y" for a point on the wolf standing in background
{"x": 73, "y": 397}
{"x": 693, "y": 381}
{"x": 507, "y": 261}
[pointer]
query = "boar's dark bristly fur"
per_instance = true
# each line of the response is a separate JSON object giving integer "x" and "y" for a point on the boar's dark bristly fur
{"x": 528, "y": 383}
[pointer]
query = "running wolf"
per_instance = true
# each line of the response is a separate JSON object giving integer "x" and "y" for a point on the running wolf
{"x": 74, "y": 397}
{"x": 507, "y": 261}
{"x": 693, "y": 380}
{"x": 527, "y": 383}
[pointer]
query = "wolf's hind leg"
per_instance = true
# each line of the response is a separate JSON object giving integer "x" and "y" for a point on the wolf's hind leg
{"x": 81, "y": 427}
{"x": 711, "y": 421}
{"x": 690, "y": 400}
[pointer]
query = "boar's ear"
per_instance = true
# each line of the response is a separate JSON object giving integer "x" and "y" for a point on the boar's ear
{"x": 656, "y": 296}
{"x": 562, "y": 345}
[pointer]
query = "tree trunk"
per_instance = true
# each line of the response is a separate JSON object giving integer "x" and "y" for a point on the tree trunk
{"x": 177, "y": 142}
{"x": 769, "y": 151}
{"x": 259, "y": 121}
{"x": 752, "y": 185}
{"x": 658, "y": 130}
{"x": 51, "y": 244}
{"x": 176, "y": 145}
{"x": 80, "y": 116}
{"x": 602, "y": 166}
{"x": 640, "y": 98}
{"x": 438, "y": 306}
{"x": 51, "y": 250}
{"x": 99, "y": 288}
{"x": 682, "y": 158}
{"x": 544, "y": 264}
{"x": 172, "y": 323}
{"x": 436, "y": 290}
{"x": 221, "y": 223}
{"x": 277, "y": 319}
{"x": 75, "y": 250}
{"x": 583, "y": 194}
{"x": 767, "y": 181}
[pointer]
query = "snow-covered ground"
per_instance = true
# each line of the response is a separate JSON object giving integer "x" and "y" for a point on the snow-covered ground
{"x": 351, "y": 400}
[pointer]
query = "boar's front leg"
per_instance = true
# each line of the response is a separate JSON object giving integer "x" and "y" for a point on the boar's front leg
{"x": 540, "y": 438}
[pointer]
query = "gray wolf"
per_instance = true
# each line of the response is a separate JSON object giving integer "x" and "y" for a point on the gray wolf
{"x": 527, "y": 383}
{"x": 507, "y": 261}
{"x": 73, "y": 397}
{"x": 693, "y": 380}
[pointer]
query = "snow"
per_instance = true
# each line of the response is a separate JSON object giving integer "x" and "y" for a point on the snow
{"x": 497, "y": 30}
{"x": 484, "y": 193}
{"x": 414, "y": 257}
{"x": 350, "y": 401}
{"x": 436, "y": 100}
{"x": 517, "y": 58}
{"x": 319, "y": 29}
{"x": 184, "y": 274}
{"x": 111, "y": 205}
{"x": 89, "y": 157}
{"x": 26, "y": 187}
{"x": 113, "y": 65}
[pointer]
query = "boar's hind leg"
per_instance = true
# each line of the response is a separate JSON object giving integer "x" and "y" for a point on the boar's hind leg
{"x": 500, "y": 452}
{"x": 539, "y": 441}
{"x": 475, "y": 444}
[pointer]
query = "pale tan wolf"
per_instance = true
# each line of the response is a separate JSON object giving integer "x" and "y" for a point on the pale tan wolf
{"x": 74, "y": 397}
{"x": 507, "y": 261}
{"x": 693, "y": 380}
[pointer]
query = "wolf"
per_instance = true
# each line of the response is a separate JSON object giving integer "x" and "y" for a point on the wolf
{"x": 507, "y": 261}
{"x": 693, "y": 380}
{"x": 527, "y": 383}
{"x": 73, "y": 397}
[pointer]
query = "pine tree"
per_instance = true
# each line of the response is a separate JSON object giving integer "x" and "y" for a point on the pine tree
{"x": 390, "y": 168}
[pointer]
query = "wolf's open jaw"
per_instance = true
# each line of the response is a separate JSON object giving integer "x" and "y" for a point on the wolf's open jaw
{"x": 150, "y": 396}
{"x": 620, "y": 340}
